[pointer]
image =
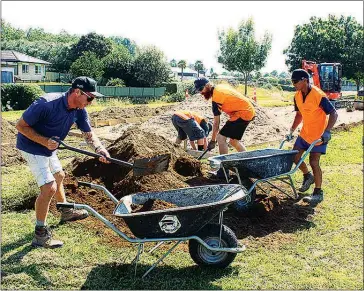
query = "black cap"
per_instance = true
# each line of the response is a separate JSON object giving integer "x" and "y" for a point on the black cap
{"x": 299, "y": 75}
{"x": 200, "y": 83}
{"x": 87, "y": 85}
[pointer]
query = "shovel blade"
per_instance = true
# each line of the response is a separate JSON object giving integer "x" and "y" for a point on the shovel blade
{"x": 148, "y": 166}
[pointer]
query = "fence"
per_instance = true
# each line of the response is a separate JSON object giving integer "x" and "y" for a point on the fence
{"x": 113, "y": 92}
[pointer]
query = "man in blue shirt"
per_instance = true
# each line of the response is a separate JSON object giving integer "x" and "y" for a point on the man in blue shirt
{"x": 52, "y": 115}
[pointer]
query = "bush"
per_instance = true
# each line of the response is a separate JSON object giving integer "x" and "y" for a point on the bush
{"x": 115, "y": 82}
{"x": 267, "y": 86}
{"x": 289, "y": 88}
{"x": 170, "y": 87}
{"x": 19, "y": 96}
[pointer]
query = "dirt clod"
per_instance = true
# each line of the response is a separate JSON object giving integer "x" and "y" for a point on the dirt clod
{"x": 187, "y": 166}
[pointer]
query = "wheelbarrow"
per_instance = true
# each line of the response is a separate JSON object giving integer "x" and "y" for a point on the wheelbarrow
{"x": 262, "y": 165}
{"x": 210, "y": 243}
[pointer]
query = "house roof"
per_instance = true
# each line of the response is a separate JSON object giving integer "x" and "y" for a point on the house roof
{"x": 185, "y": 70}
{"x": 14, "y": 56}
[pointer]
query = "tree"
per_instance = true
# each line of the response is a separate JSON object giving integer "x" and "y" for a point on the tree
{"x": 91, "y": 42}
{"x": 173, "y": 63}
{"x": 199, "y": 67}
{"x": 88, "y": 65}
{"x": 151, "y": 67}
{"x": 283, "y": 75}
{"x": 335, "y": 39}
{"x": 239, "y": 51}
{"x": 214, "y": 75}
{"x": 182, "y": 64}
{"x": 126, "y": 42}
{"x": 274, "y": 73}
{"x": 118, "y": 64}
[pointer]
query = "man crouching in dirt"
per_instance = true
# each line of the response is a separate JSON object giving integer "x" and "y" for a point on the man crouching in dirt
{"x": 312, "y": 107}
{"x": 241, "y": 111}
{"x": 193, "y": 125}
{"x": 52, "y": 115}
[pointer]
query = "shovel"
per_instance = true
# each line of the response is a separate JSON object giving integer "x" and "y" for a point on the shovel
{"x": 141, "y": 167}
{"x": 204, "y": 153}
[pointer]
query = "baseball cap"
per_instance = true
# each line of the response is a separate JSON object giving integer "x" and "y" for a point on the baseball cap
{"x": 299, "y": 75}
{"x": 87, "y": 85}
{"x": 200, "y": 83}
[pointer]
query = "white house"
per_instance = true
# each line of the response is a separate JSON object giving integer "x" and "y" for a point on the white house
{"x": 23, "y": 67}
{"x": 188, "y": 74}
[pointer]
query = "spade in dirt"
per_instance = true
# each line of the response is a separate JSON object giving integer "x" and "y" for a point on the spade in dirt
{"x": 141, "y": 167}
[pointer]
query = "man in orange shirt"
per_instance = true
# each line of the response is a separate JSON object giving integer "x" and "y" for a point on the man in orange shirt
{"x": 312, "y": 107}
{"x": 193, "y": 125}
{"x": 239, "y": 108}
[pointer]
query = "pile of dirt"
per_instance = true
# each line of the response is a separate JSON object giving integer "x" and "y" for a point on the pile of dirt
{"x": 9, "y": 154}
{"x": 152, "y": 205}
{"x": 187, "y": 166}
{"x": 137, "y": 111}
{"x": 264, "y": 128}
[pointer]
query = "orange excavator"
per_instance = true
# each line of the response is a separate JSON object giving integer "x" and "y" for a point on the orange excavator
{"x": 326, "y": 76}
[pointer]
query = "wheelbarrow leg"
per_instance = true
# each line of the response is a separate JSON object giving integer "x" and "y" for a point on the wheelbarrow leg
{"x": 156, "y": 246}
{"x": 136, "y": 259}
{"x": 162, "y": 258}
{"x": 292, "y": 186}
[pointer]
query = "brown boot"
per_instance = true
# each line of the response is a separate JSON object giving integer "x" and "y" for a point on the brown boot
{"x": 69, "y": 214}
{"x": 43, "y": 238}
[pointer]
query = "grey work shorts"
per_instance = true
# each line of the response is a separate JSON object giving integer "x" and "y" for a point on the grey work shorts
{"x": 188, "y": 128}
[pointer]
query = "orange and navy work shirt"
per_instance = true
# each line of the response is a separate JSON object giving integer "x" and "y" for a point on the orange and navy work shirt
{"x": 226, "y": 99}
{"x": 314, "y": 109}
{"x": 186, "y": 114}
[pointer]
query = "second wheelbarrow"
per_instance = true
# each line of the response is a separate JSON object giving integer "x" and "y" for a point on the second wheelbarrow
{"x": 262, "y": 165}
{"x": 210, "y": 244}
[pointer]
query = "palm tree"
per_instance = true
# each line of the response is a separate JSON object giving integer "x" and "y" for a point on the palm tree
{"x": 182, "y": 64}
{"x": 198, "y": 67}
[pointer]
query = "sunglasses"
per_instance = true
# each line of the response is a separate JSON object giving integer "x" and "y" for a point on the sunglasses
{"x": 295, "y": 81}
{"x": 201, "y": 88}
{"x": 89, "y": 98}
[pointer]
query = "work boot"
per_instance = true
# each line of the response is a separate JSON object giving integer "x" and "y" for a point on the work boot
{"x": 308, "y": 180}
{"x": 43, "y": 238}
{"x": 70, "y": 214}
{"x": 316, "y": 197}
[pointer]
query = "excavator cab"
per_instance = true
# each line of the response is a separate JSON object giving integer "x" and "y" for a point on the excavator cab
{"x": 330, "y": 77}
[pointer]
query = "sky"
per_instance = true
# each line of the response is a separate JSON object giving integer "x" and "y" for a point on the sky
{"x": 181, "y": 29}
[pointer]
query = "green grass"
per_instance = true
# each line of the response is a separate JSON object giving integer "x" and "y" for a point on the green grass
{"x": 326, "y": 255}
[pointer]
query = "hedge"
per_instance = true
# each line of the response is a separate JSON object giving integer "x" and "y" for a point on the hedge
{"x": 19, "y": 96}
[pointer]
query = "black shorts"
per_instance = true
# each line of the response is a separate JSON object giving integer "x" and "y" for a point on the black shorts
{"x": 234, "y": 129}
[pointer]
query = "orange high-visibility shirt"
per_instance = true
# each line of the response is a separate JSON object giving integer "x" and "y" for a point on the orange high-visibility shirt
{"x": 314, "y": 117}
{"x": 233, "y": 103}
{"x": 186, "y": 114}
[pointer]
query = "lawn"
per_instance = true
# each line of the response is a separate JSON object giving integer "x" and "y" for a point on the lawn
{"x": 325, "y": 254}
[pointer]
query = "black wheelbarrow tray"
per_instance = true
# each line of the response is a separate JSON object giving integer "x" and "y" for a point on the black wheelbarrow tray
{"x": 262, "y": 165}
{"x": 198, "y": 219}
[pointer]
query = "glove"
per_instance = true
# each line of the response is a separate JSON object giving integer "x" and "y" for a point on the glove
{"x": 211, "y": 145}
{"x": 289, "y": 136}
{"x": 326, "y": 136}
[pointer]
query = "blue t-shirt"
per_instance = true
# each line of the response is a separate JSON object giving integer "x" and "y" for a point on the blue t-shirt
{"x": 49, "y": 116}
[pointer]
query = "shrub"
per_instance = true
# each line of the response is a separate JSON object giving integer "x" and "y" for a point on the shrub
{"x": 19, "y": 96}
{"x": 115, "y": 82}
{"x": 267, "y": 86}
{"x": 170, "y": 87}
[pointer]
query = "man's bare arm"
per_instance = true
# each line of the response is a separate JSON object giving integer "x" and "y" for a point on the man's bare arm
{"x": 26, "y": 130}
{"x": 92, "y": 140}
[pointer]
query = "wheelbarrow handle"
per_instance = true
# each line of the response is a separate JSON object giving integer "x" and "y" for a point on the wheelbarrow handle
{"x": 287, "y": 138}
{"x": 111, "y": 160}
{"x": 204, "y": 153}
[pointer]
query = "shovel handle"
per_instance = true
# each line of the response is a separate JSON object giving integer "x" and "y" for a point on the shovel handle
{"x": 111, "y": 160}
{"x": 204, "y": 153}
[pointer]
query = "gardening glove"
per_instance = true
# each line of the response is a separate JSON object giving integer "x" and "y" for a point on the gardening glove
{"x": 289, "y": 136}
{"x": 104, "y": 152}
{"x": 211, "y": 145}
{"x": 326, "y": 136}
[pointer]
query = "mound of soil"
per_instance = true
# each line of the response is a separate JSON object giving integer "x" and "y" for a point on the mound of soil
{"x": 9, "y": 154}
{"x": 152, "y": 205}
{"x": 187, "y": 166}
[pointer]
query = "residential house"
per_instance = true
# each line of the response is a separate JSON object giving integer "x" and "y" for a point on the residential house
{"x": 188, "y": 74}
{"x": 17, "y": 66}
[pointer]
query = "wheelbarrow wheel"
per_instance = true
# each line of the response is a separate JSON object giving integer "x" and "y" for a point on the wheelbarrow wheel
{"x": 243, "y": 205}
{"x": 210, "y": 234}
